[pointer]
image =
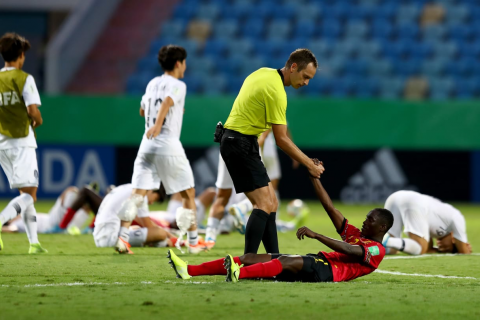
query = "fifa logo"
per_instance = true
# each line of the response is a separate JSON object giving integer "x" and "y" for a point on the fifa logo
{"x": 9, "y": 98}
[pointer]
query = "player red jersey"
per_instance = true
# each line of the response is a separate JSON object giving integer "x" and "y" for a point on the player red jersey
{"x": 345, "y": 267}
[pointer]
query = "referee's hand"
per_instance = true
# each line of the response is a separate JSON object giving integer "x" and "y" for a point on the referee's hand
{"x": 316, "y": 169}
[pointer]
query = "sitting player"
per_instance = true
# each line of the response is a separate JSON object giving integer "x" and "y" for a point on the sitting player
{"x": 357, "y": 255}
{"x": 423, "y": 218}
{"x": 107, "y": 222}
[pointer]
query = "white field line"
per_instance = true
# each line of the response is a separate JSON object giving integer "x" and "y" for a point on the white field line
{"x": 422, "y": 275}
{"x": 71, "y": 284}
{"x": 430, "y": 256}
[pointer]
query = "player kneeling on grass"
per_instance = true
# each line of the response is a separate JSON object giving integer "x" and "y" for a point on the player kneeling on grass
{"x": 424, "y": 218}
{"x": 359, "y": 254}
{"x": 107, "y": 222}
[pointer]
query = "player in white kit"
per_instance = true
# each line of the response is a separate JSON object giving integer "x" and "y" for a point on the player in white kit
{"x": 161, "y": 156}
{"x": 107, "y": 222}
{"x": 423, "y": 218}
{"x": 19, "y": 116}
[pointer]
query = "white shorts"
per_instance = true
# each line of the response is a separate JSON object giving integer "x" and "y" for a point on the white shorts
{"x": 409, "y": 214}
{"x": 105, "y": 235}
{"x": 224, "y": 181}
{"x": 20, "y": 167}
{"x": 174, "y": 172}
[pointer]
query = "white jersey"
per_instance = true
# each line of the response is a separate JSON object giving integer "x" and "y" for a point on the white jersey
{"x": 168, "y": 141}
{"x": 442, "y": 217}
{"x": 30, "y": 96}
{"x": 111, "y": 204}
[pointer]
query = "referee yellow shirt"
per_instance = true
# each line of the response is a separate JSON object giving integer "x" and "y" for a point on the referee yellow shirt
{"x": 261, "y": 102}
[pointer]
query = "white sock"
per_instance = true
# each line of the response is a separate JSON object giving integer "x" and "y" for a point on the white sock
{"x": 212, "y": 229}
{"x": 200, "y": 211}
{"x": 69, "y": 198}
{"x": 246, "y": 206}
{"x": 124, "y": 234}
{"x": 15, "y": 207}
{"x": 193, "y": 237}
{"x": 405, "y": 245}
{"x": 29, "y": 217}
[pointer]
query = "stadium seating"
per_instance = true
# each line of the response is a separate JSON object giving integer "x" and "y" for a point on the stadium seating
{"x": 365, "y": 48}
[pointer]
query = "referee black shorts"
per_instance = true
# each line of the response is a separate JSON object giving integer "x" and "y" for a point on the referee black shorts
{"x": 242, "y": 158}
{"x": 316, "y": 268}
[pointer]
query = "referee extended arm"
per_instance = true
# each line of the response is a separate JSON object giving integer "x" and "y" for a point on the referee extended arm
{"x": 287, "y": 145}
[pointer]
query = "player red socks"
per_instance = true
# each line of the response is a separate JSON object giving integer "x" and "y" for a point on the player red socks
{"x": 67, "y": 218}
{"x": 262, "y": 270}
{"x": 210, "y": 268}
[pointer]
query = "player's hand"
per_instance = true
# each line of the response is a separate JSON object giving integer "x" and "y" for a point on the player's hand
{"x": 153, "y": 132}
{"x": 316, "y": 169}
{"x": 305, "y": 232}
{"x": 35, "y": 124}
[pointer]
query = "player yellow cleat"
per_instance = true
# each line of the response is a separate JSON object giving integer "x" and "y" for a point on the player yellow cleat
{"x": 1, "y": 242}
{"x": 233, "y": 269}
{"x": 178, "y": 265}
{"x": 123, "y": 246}
{"x": 36, "y": 248}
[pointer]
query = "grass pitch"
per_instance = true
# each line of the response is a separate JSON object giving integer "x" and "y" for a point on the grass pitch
{"x": 76, "y": 280}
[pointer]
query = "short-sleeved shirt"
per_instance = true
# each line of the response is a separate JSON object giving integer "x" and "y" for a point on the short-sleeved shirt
{"x": 261, "y": 102}
{"x": 345, "y": 267}
{"x": 168, "y": 141}
{"x": 30, "y": 96}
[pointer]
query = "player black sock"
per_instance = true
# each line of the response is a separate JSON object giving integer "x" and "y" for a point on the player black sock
{"x": 270, "y": 239}
{"x": 254, "y": 230}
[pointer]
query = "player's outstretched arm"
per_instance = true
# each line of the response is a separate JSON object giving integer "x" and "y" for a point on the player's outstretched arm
{"x": 287, "y": 145}
{"x": 35, "y": 115}
{"x": 336, "y": 245}
{"x": 335, "y": 215}
{"x": 162, "y": 113}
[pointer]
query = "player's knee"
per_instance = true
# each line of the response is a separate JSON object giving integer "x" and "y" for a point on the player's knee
{"x": 188, "y": 194}
{"x": 248, "y": 258}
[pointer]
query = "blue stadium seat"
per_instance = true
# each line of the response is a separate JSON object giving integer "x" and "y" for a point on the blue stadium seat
{"x": 279, "y": 29}
{"x": 356, "y": 68}
{"x": 270, "y": 49}
{"x": 158, "y": 43}
{"x": 380, "y": 67}
{"x": 396, "y": 50}
{"x": 237, "y": 11}
{"x": 463, "y": 67}
{"x": 207, "y": 12}
{"x": 366, "y": 88}
{"x": 201, "y": 64}
{"x": 215, "y": 85}
{"x": 457, "y": 14}
{"x": 289, "y": 46}
{"x": 193, "y": 82}
{"x": 356, "y": 29}
{"x": 234, "y": 84}
{"x": 250, "y": 65}
{"x": 407, "y": 68}
{"x": 149, "y": 63}
{"x": 304, "y": 29}
{"x": 347, "y": 47}
{"x": 330, "y": 29}
{"x": 320, "y": 48}
{"x": 466, "y": 88}
{"x": 192, "y": 46}
{"x": 309, "y": 11}
{"x": 262, "y": 10}
{"x": 470, "y": 49}
{"x": 441, "y": 89}
{"x": 407, "y": 30}
{"x": 433, "y": 68}
{"x": 391, "y": 88}
{"x": 444, "y": 49}
{"x": 387, "y": 10}
{"x": 172, "y": 28}
{"x": 137, "y": 82}
{"x": 231, "y": 65}
{"x": 184, "y": 11}
{"x": 420, "y": 50}
{"x": 285, "y": 11}
{"x": 369, "y": 49}
{"x": 240, "y": 46}
{"x": 344, "y": 86}
{"x": 434, "y": 32}
{"x": 460, "y": 32}
{"x": 226, "y": 29}
{"x": 334, "y": 66}
{"x": 337, "y": 10}
{"x": 407, "y": 13}
{"x": 382, "y": 29}
{"x": 317, "y": 86}
{"x": 360, "y": 12}
{"x": 253, "y": 28}
{"x": 215, "y": 48}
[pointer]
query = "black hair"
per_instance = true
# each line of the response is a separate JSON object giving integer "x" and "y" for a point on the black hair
{"x": 161, "y": 193}
{"x": 385, "y": 216}
{"x": 169, "y": 55}
{"x": 12, "y": 45}
{"x": 302, "y": 57}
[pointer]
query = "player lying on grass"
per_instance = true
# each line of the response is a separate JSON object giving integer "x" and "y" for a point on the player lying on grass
{"x": 357, "y": 255}
{"x": 424, "y": 218}
{"x": 49, "y": 222}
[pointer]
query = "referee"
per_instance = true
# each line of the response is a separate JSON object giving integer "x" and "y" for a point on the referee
{"x": 260, "y": 105}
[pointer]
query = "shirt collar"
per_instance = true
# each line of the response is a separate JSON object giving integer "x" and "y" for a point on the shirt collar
{"x": 281, "y": 76}
{"x": 8, "y": 69}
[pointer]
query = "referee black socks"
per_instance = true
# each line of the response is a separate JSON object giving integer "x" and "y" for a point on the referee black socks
{"x": 255, "y": 230}
{"x": 270, "y": 239}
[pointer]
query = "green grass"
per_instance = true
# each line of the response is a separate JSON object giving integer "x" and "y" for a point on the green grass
{"x": 111, "y": 286}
